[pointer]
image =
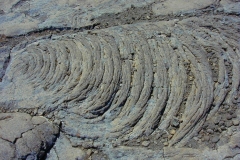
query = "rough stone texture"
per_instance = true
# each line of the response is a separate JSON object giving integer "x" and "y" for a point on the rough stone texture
{"x": 4, "y": 60}
{"x": 7, "y": 149}
{"x": 122, "y": 78}
{"x": 63, "y": 150}
{"x": 170, "y": 153}
{"x": 180, "y": 6}
{"x": 147, "y": 79}
{"x": 22, "y": 135}
{"x": 21, "y": 16}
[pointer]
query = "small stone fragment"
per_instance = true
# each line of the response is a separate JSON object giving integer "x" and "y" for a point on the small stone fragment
{"x": 219, "y": 130}
{"x": 145, "y": 143}
{"x": 175, "y": 122}
{"x": 216, "y": 120}
{"x": 170, "y": 136}
{"x": 196, "y": 138}
{"x": 235, "y": 122}
{"x": 234, "y": 115}
{"x": 210, "y": 131}
{"x": 206, "y": 138}
{"x": 165, "y": 143}
{"x": 173, "y": 131}
{"x": 229, "y": 132}
{"x": 89, "y": 152}
{"x": 228, "y": 123}
{"x": 229, "y": 117}
{"x": 215, "y": 139}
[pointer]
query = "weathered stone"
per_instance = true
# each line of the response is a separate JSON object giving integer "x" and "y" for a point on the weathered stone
{"x": 64, "y": 150}
{"x": 26, "y": 136}
{"x": 183, "y": 6}
{"x": 235, "y": 122}
{"x": 172, "y": 132}
{"x": 145, "y": 143}
{"x": 215, "y": 139}
{"x": 6, "y": 150}
{"x": 206, "y": 138}
{"x": 210, "y": 131}
{"x": 228, "y": 123}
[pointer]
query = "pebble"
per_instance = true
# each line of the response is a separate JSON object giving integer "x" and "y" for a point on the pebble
{"x": 211, "y": 126}
{"x": 145, "y": 143}
{"x": 223, "y": 128}
{"x": 235, "y": 122}
{"x": 96, "y": 27}
{"x": 89, "y": 152}
{"x": 228, "y": 123}
{"x": 175, "y": 122}
{"x": 229, "y": 117}
{"x": 173, "y": 131}
{"x": 216, "y": 120}
{"x": 165, "y": 143}
{"x": 196, "y": 138}
{"x": 210, "y": 131}
{"x": 30, "y": 157}
{"x": 220, "y": 130}
{"x": 234, "y": 115}
{"x": 206, "y": 138}
{"x": 215, "y": 139}
{"x": 215, "y": 79}
{"x": 229, "y": 132}
{"x": 170, "y": 136}
{"x": 221, "y": 123}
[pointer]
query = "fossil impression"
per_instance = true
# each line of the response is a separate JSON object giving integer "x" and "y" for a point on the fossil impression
{"x": 126, "y": 82}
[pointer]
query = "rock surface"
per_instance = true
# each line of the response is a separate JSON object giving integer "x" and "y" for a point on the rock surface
{"x": 22, "y": 136}
{"x": 63, "y": 150}
{"x": 115, "y": 80}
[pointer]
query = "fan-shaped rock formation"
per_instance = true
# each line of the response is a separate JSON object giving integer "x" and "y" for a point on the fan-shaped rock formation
{"x": 151, "y": 84}
{"x": 128, "y": 81}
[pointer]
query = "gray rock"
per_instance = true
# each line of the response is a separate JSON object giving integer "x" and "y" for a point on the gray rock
{"x": 223, "y": 141}
{"x": 229, "y": 117}
{"x": 145, "y": 143}
{"x": 235, "y": 122}
{"x": 13, "y": 125}
{"x": 6, "y": 150}
{"x": 206, "y": 138}
{"x": 175, "y": 122}
{"x": 216, "y": 120}
{"x": 30, "y": 137}
{"x": 64, "y": 150}
{"x": 210, "y": 131}
{"x": 228, "y": 123}
{"x": 215, "y": 139}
